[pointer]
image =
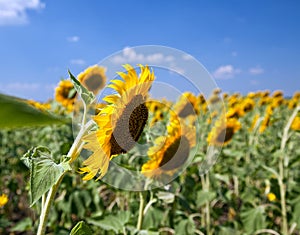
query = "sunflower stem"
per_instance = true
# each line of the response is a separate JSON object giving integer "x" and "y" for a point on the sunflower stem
{"x": 46, "y": 208}
{"x": 282, "y": 172}
{"x": 141, "y": 212}
{"x": 73, "y": 152}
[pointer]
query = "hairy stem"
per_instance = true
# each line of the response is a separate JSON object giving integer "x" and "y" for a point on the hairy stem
{"x": 283, "y": 168}
{"x": 141, "y": 212}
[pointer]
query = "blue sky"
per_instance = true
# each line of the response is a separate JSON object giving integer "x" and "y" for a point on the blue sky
{"x": 245, "y": 45}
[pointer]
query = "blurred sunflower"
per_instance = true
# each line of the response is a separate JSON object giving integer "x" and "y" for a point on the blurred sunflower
{"x": 3, "y": 200}
{"x": 188, "y": 104}
{"x": 38, "y": 105}
{"x": 271, "y": 197}
{"x": 159, "y": 109}
{"x": 65, "y": 94}
{"x": 93, "y": 78}
{"x": 121, "y": 121}
{"x": 170, "y": 152}
{"x": 235, "y": 112}
{"x": 266, "y": 122}
{"x": 254, "y": 122}
{"x": 223, "y": 131}
{"x": 296, "y": 124}
{"x": 247, "y": 105}
{"x": 277, "y": 93}
{"x": 296, "y": 95}
{"x": 292, "y": 103}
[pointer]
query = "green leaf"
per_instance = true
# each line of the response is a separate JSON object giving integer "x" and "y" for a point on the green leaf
{"x": 16, "y": 113}
{"x": 254, "y": 219}
{"x": 153, "y": 218}
{"x": 87, "y": 96}
{"x": 186, "y": 226}
{"x": 44, "y": 172}
{"x": 22, "y": 226}
{"x": 296, "y": 213}
{"x": 81, "y": 228}
{"x": 204, "y": 196}
{"x": 113, "y": 222}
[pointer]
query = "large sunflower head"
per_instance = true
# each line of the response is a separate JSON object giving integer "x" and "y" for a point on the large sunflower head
{"x": 121, "y": 121}
{"x": 223, "y": 131}
{"x": 170, "y": 152}
{"x": 65, "y": 94}
{"x": 93, "y": 78}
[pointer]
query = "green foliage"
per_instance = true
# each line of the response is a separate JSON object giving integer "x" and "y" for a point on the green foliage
{"x": 44, "y": 172}
{"x": 236, "y": 194}
{"x": 113, "y": 223}
{"x": 254, "y": 219}
{"x": 16, "y": 113}
{"x": 87, "y": 96}
{"x": 81, "y": 228}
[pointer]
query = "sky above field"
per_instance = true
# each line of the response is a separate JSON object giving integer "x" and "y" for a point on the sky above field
{"x": 245, "y": 45}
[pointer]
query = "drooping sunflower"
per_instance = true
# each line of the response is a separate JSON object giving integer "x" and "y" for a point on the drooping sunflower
{"x": 223, "y": 131}
{"x": 170, "y": 152}
{"x": 93, "y": 78}
{"x": 121, "y": 121}
{"x": 65, "y": 94}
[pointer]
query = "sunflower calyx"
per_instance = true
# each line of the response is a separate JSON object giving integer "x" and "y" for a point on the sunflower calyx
{"x": 87, "y": 96}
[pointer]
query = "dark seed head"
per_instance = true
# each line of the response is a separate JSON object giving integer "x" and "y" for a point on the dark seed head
{"x": 94, "y": 82}
{"x": 130, "y": 126}
{"x": 225, "y": 135}
{"x": 176, "y": 154}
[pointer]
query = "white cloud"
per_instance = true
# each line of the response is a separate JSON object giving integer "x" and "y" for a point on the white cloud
{"x": 77, "y": 62}
{"x": 187, "y": 57}
{"x": 73, "y": 39}
{"x": 14, "y": 12}
{"x": 256, "y": 70}
{"x": 129, "y": 55}
{"x": 226, "y": 72}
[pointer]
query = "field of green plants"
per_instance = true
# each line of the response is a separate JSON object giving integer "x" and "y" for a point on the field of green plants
{"x": 51, "y": 175}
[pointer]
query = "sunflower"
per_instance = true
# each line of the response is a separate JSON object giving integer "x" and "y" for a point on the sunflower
{"x": 233, "y": 113}
{"x": 121, "y": 121}
{"x": 159, "y": 109}
{"x": 93, "y": 78}
{"x": 247, "y": 105}
{"x": 65, "y": 94}
{"x": 277, "y": 94}
{"x": 254, "y": 122}
{"x": 188, "y": 104}
{"x": 223, "y": 131}
{"x": 267, "y": 120}
{"x": 170, "y": 152}
{"x": 3, "y": 200}
{"x": 296, "y": 124}
{"x": 292, "y": 103}
{"x": 38, "y": 105}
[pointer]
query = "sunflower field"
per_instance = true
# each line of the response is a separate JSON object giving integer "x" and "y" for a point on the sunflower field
{"x": 129, "y": 163}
